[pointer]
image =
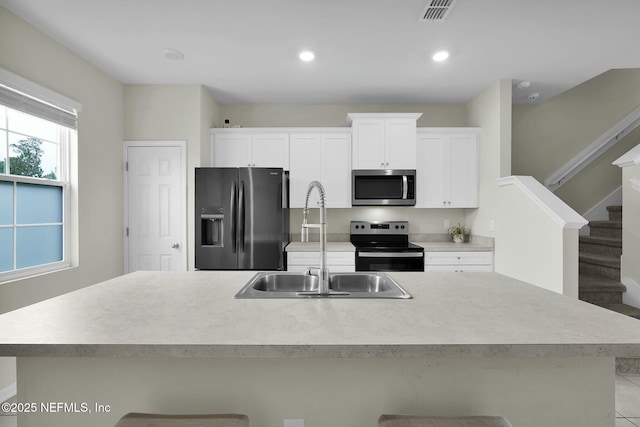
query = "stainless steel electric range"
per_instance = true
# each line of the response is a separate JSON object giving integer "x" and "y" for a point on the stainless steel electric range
{"x": 384, "y": 246}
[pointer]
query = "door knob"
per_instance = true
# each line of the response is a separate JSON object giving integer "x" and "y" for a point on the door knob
{"x": 175, "y": 245}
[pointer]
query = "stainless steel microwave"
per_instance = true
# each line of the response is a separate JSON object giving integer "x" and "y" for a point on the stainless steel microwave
{"x": 383, "y": 187}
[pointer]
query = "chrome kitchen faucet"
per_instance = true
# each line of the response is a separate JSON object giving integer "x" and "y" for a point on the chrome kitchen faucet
{"x": 323, "y": 271}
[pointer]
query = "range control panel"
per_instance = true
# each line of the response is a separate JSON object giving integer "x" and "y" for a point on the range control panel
{"x": 380, "y": 227}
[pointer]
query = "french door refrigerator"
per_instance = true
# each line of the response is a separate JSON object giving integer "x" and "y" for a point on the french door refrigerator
{"x": 242, "y": 218}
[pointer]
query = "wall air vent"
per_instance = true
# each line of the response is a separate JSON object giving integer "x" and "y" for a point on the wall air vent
{"x": 437, "y": 10}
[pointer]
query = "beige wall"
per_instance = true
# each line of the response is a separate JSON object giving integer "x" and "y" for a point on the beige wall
{"x": 96, "y": 205}
{"x": 209, "y": 117}
{"x": 172, "y": 112}
{"x": 491, "y": 111}
{"x": 548, "y": 135}
{"x": 267, "y": 115}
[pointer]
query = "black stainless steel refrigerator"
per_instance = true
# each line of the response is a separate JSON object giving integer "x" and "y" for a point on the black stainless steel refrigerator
{"x": 242, "y": 218}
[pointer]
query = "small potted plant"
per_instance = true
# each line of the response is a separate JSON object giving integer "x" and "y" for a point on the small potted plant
{"x": 459, "y": 234}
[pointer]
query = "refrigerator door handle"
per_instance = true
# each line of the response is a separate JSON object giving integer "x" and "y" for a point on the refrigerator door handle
{"x": 241, "y": 217}
{"x": 233, "y": 217}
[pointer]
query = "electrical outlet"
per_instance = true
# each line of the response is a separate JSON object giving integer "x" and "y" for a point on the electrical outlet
{"x": 293, "y": 422}
{"x": 447, "y": 223}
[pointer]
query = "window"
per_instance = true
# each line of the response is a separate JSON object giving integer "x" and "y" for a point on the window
{"x": 35, "y": 138}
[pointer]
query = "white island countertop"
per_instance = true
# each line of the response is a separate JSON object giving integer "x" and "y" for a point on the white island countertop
{"x": 194, "y": 314}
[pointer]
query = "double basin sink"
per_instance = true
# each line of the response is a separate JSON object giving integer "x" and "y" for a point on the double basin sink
{"x": 341, "y": 285}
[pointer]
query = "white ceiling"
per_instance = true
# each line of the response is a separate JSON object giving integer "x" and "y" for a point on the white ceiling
{"x": 368, "y": 51}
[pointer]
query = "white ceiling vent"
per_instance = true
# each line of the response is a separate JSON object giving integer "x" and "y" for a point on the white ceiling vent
{"x": 437, "y": 10}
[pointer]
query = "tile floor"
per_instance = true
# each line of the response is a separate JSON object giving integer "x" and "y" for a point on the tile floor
{"x": 627, "y": 403}
{"x": 627, "y": 400}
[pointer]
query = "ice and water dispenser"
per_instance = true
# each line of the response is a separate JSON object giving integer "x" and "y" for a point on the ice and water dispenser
{"x": 212, "y": 226}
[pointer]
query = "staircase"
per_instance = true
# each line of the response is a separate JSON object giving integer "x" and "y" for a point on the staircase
{"x": 600, "y": 252}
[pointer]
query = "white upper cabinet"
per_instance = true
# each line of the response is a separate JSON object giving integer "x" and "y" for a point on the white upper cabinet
{"x": 325, "y": 157}
{"x": 447, "y": 171}
{"x": 249, "y": 148}
{"x": 384, "y": 141}
{"x": 304, "y": 167}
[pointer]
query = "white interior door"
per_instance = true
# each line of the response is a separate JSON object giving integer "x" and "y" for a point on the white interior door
{"x": 155, "y": 208}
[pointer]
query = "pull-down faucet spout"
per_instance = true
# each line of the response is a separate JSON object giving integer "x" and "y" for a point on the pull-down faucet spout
{"x": 323, "y": 273}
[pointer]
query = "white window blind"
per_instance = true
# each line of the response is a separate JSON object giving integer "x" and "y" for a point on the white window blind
{"x": 26, "y": 104}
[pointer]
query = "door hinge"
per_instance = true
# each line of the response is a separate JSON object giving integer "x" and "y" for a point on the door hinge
{"x": 127, "y": 229}
{"x": 126, "y": 166}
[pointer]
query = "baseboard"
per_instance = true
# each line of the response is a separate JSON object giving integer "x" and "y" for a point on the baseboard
{"x": 599, "y": 211}
{"x": 8, "y": 392}
{"x": 632, "y": 295}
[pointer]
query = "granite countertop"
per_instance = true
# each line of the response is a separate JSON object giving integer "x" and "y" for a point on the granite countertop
{"x": 194, "y": 314}
{"x": 315, "y": 247}
{"x": 454, "y": 247}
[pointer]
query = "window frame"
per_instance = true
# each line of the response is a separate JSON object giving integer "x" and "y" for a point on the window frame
{"x": 68, "y": 138}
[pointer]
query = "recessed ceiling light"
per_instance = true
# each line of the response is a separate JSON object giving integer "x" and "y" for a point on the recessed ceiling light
{"x": 172, "y": 54}
{"x": 307, "y": 56}
{"x": 440, "y": 56}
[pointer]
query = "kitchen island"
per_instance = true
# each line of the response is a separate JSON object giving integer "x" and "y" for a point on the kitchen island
{"x": 467, "y": 343}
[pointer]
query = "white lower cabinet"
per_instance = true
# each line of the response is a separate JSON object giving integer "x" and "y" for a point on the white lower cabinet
{"x": 458, "y": 261}
{"x": 337, "y": 262}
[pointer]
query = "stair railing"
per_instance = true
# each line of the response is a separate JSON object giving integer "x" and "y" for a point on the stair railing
{"x": 589, "y": 154}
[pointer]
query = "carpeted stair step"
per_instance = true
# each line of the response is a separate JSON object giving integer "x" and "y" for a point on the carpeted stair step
{"x": 607, "y": 246}
{"x": 606, "y": 229}
{"x": 599, "y": 265}
{"x": 615, "y": 213}
{"x": 600, "y": 290}
{"x": 627, "y": 310}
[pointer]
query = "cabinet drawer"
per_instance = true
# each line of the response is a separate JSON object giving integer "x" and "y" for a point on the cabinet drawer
{"x": 458, "y": 258}
{"x": 307, "y": 259}
{"x": 332, "y": 268}
{"x": 459, "y": 268}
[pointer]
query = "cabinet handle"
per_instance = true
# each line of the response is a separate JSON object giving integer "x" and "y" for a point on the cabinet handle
{"x": 249, "y": 164}
{"x": 381, "y": 164}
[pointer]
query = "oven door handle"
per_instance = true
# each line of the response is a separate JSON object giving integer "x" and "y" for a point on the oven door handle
{"x": 390, "y": 254}
{"x": 405, "y": 187}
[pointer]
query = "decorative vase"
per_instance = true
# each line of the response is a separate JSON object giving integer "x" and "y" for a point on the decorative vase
{"x": 458, "y": 238}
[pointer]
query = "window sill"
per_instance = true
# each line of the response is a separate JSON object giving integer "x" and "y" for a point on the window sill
{"x": 33, "y": 272}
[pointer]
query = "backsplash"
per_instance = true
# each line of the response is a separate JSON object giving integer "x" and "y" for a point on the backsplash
{"x": 423, "y": 223}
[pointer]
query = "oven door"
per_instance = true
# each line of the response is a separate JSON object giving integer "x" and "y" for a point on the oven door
{"x": 383, "y": 187}
{"x": 389, "y": 261}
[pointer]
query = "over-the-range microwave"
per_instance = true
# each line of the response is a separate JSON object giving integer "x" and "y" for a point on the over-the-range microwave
{"x": 383, "y": 187}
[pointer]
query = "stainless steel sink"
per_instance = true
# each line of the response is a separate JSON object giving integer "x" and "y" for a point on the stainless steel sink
{"x": 299, "y": 285}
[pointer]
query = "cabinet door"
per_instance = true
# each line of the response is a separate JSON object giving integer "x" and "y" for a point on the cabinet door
{"x": 336, "y": 169}
{"x": 430, "y": 171}
{"x": 270, "y": 150}
{"x": 231, "y": 151}
{"x": 304, "y": 163}
{"x": 368, "y": 144}
{"x": 400, "y": 143}
{"x": 463, "y": 175}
